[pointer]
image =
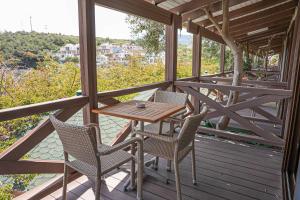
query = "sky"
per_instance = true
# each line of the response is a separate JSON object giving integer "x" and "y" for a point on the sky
{"x": 58, "y": 16}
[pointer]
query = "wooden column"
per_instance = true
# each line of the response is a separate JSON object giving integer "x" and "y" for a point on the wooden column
{"x": 171, "y": 50}
{"x": 222, "y": 58}
{"x": 196, "y": 67}
{"x": 292, "y": 134}
{"x": 87, "y": 39}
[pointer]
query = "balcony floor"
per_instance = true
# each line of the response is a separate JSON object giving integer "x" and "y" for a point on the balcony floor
{"x": 225, "y": 170}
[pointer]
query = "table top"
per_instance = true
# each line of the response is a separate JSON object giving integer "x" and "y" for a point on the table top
{"x": 153, "y": 111}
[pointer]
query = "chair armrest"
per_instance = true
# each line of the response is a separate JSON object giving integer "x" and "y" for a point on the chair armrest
{"x": 122, "y": 145}
{"x": 158, "y": 137}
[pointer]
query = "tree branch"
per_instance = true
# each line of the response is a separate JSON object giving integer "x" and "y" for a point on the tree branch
{"x": 212, "y": 19}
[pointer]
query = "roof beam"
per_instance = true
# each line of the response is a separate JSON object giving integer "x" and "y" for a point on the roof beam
{"x": 192, "y": 5}
{"x": 141, "y": 8}
{"x": 243, "y": 11}
{"x": 198, "y": 12}
{"x": 195, "y": 29}
{"x": 244, "y": 29}
{"x": 272, "y": 31}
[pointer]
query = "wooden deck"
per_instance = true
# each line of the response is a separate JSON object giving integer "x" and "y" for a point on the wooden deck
{"x": 225, "y": 170}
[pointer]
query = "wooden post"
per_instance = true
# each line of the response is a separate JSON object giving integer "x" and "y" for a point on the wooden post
{"x": 87, "y": 39}
{"x": 196, "y": 67}
{"x": 222, "y": 58}
{"x": 171, "y": 51}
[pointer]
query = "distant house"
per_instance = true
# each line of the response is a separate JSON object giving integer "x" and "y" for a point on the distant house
{"x": 69, "y": 50}
{"x": 102, "y": 60}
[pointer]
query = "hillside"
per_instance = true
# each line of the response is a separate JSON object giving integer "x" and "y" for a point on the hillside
{"x": 27, "y": 48}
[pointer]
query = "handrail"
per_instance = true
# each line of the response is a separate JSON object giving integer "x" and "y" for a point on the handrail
{"x": 254, "y": 82}
{"x": 27, "y": 110}
{"x": 279, "y": 92}
{"x": 121, "y": 92}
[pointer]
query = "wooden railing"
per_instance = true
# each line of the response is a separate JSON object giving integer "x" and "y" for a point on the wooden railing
{"x": 11, "y": 159}
{"x": 250, "y": 98}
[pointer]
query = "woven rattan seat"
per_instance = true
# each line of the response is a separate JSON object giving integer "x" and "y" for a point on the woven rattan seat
{"x": 175, "y": 148}
{"x": 94, "y": 159}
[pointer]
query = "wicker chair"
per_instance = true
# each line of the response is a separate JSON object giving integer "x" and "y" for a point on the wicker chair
{"x": 163, "y": 127}
{"x": 92, "y": 158}
{"x": 175, "y": 148}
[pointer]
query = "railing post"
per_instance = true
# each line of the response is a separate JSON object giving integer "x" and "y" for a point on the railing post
{"x": 88, "y": 71}
{"x": 171, "y": 50}
{"x": 196, "y": 68}
{"x": 222, "y": 58}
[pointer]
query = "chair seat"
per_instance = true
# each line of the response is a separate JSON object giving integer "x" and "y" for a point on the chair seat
{"x": 108, "y": 162}
{"x": 154, "y": 128}
{"x": 163, "y": 149}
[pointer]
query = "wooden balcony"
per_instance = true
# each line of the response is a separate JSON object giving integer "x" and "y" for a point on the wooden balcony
{"x": 230, "y": 165}
{"x": 225, "y": 170}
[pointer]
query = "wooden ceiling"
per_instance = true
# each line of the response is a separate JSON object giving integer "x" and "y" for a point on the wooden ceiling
{"x": 256, "y": 23}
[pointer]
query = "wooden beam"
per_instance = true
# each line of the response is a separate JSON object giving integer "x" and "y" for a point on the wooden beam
{"x": 140, "y": 8}
{"x": 197, "y": 52}
{"x": 244, "y": 11}
{"x": 245, "y": 29}
{"x": 23, "y": 111}
{"x": 171, "y": 51}
{"x": 280, "y": 30}
{"x": 195, "y": 29}
{"x": 192, "y": 5}
{"x": 122, "y": 92}
{"x": 280, "y": 9}
{"x": 87, "y": 40}
{"x": 238, "y": 137}
{"x": 279, "y": 92}
{"x": 217, "y": 7}
{"x": 196, "y": 66}
{"x": 35, "y": 136}
{"x": 222, "y": 58}
{"x": 31, "y": 167}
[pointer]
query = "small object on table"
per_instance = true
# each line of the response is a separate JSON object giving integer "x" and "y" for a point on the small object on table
{"x": 140, "y": 105}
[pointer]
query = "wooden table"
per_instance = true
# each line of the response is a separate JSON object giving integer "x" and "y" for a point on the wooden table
{"x": 152, "y": 113}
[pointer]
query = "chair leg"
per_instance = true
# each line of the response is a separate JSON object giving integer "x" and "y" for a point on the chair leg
{"x": 194, "y": 166}
{"x": 140, "y": 173}
{"x": 177, "y": 178}
{"x": 65, "y": 182}
{"x": 169, "y": 163}
{"x": 97, "y": 188}
{"x": 155, "y": 166}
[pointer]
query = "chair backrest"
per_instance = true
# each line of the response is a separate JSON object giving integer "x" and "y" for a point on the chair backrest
{"x": 78, "y": 141}
{"x": 170, "y": 97}
{"x": 189, "y": 128}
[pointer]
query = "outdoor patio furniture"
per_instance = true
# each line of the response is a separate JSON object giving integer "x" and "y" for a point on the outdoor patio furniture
{"x": 175, "y": 148}
{"x": 92, "y": 158}
{"x": 167, "y": 125}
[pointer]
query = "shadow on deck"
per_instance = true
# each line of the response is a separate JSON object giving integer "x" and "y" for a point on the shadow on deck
{"x": 225, "y": 170}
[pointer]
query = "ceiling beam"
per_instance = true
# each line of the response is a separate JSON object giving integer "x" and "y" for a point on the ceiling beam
{"x": 265, "y": 14}
{"x": 272, "y": 31}
{"x": 191, "y": 15}
{"x": 253, "y": 27}
{"x": 195, "y": 29}
{"x": 243, "y": 11}
{"x": 140, "y": 8}
{"x": 192, "y": 5}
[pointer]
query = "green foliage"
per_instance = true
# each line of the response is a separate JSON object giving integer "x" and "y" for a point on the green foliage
{"x": 147, "y": 33}
{"x": 6, "y": 192}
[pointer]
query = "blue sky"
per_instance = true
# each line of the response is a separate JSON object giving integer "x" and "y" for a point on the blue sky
{"x": 58, "y": 16}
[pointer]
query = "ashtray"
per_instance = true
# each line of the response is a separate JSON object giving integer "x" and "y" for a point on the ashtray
{"x": 140, "y": 105}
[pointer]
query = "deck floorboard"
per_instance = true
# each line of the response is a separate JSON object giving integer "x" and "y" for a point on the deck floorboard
{"x": 225, "y": 170}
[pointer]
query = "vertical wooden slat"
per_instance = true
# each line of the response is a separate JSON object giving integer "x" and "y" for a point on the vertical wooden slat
{"x": 222, "y": 58}
{"x": 171, "y": 51}
{"x": 87, "y": 39}
{"x": 196, "y": 68}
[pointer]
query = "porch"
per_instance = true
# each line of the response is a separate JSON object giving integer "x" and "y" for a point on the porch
{"x": 225, "y": 170}
{"x": 245, "y": 164}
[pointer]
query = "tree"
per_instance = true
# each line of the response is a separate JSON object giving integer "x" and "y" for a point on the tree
{"x": 237, "y": 57}
{"x": 148, "y": 34}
